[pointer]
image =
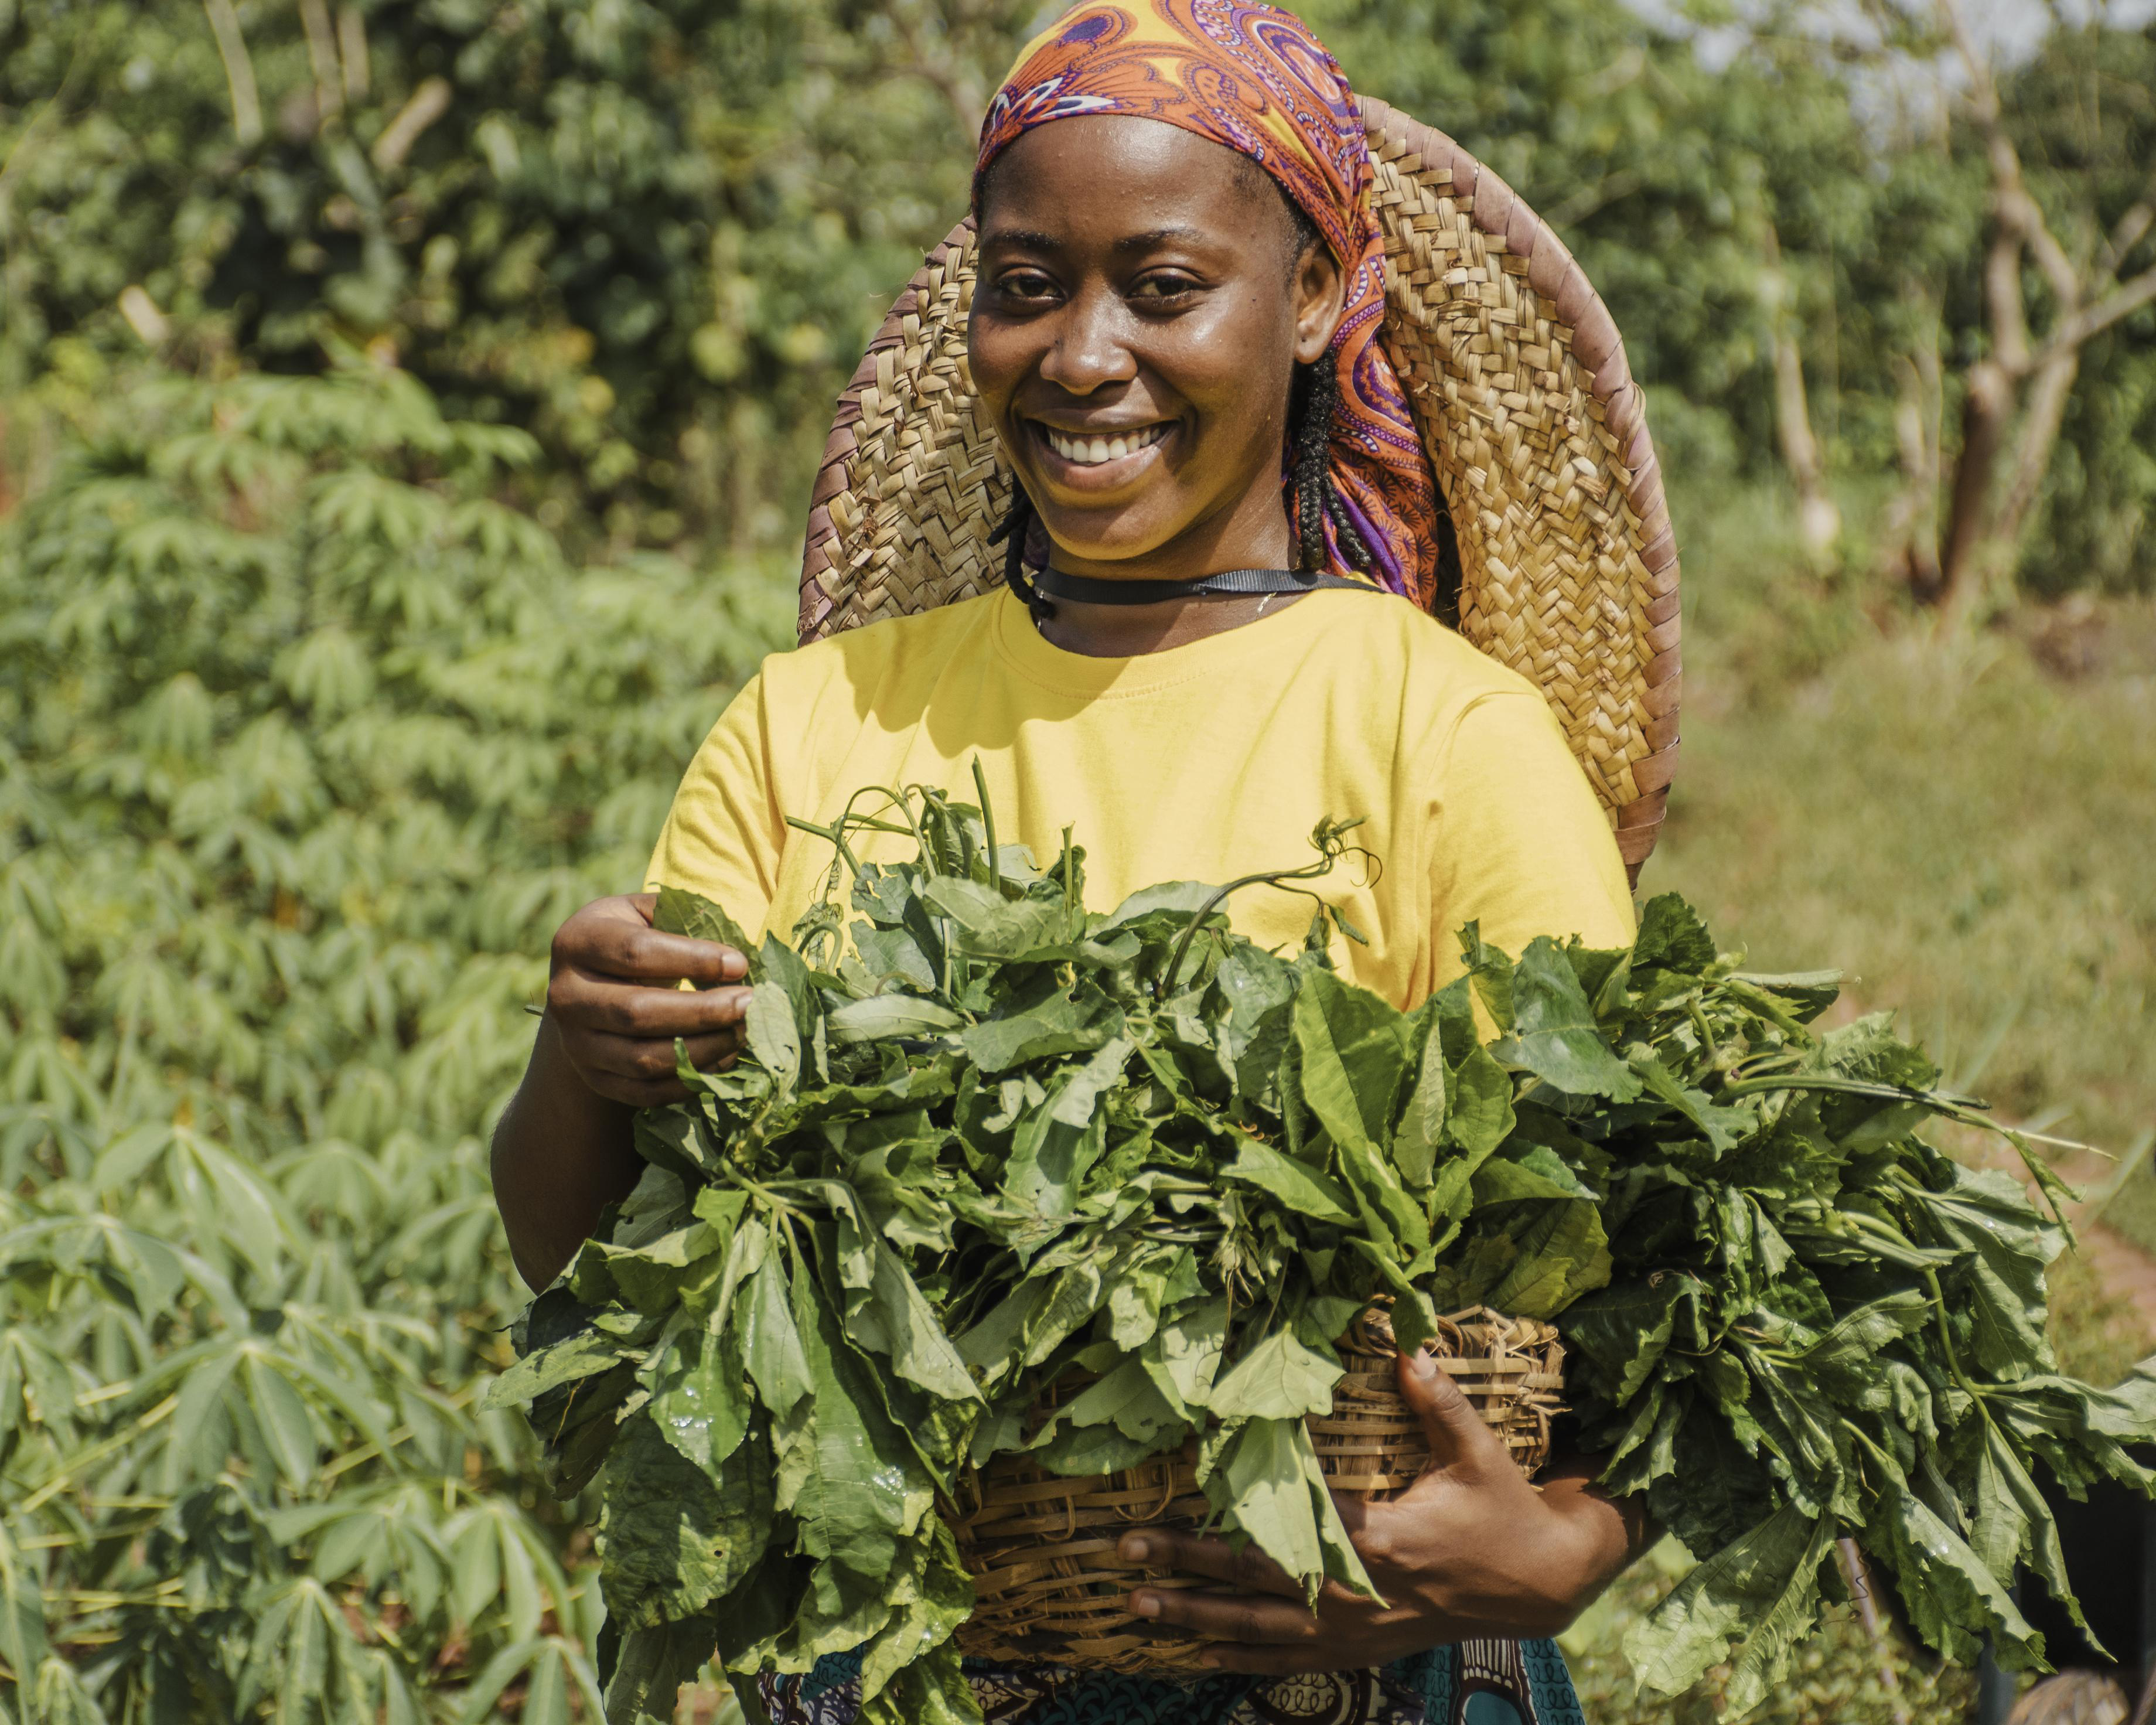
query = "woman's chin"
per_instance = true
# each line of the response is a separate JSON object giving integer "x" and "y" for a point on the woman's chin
{"x": 1117, "y": 547}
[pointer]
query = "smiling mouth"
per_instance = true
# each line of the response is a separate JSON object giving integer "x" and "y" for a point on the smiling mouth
{"x": 1095, "y": 450}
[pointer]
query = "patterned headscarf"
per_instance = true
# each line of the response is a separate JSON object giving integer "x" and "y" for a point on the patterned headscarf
{"x": 1254, "y": 78}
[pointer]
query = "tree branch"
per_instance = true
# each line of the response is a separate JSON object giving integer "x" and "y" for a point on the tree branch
{"x": 2092, "y": 320}
{"x": 427, "y": 105}
{"x": 322, "y": 59}
{"x": 239, "y": 72}
{"x": 2124, "y": 237}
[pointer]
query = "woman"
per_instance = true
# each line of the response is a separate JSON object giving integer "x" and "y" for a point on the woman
{"x": 1175, "y": 329}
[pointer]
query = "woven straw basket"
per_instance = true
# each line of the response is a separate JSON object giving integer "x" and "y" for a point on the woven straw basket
{"x": 1517, "y": 379}
{"x": 1048, "y": 1584}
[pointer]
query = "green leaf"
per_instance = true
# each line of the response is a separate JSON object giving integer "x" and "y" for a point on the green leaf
{"x": 1421, "y": 1129}
{"x": 989, "y": 926}
{"x": 654, "y": 1663}
{"x": 1280, "y": 1378}
{"x": 1302, "y": 1188}
{"x": 703, "y": 1407}
{"x": 1953, "y": 1601}
{"x": 1762, "y": 1588}
{"x": 1482, "y": 1113}
{"x": 772, "y": 1348}
{"x": 1184, "y": 1356}
{"x": 1126, "y": 1399}
{"x": 899, "y": 1323}
{"x": 1262, "y": 1478}
{"x": 1060, "y": 1025}
{"x": 1489, "y": 971}
{"x": 1555, "y": 1035}
{"x": 675, "y": 1535}
{"x": 774, "y": 1037}
{"x": 285, "y": 1421}
{"x": 1625, "y": 1330}
{"x": 2013, "y": 1521}
{"x": 1987, "y": 1216}
{"x": 882, "y": 1016}
{"x": 1672, "y": 937}
{"x": 680, "y": 911}
{"x": 1356, "y": 1049}
{"x": 845, "y": 1473}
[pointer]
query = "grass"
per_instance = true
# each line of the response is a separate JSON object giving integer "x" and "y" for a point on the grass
{"x": 1964, "y": 828}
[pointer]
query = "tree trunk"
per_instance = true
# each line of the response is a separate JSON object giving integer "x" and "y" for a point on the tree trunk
{"x": 2032, "y": 449}
{"x": 1910, "y": 534}
{"x": 1984, "y": 413}
{"x": 1818, "y": 522}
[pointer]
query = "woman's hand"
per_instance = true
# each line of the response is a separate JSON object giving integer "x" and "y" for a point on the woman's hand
{"x": 614, "y": 1002}
{"x": 1470, "y": 1549}
{"x": 565, "y": 1148}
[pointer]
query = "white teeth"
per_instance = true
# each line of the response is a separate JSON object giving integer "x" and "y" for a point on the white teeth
{"x": 1092, "y": 451}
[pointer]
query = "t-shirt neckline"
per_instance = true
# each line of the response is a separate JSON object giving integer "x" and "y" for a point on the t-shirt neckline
{"x": 1034, "y": 657}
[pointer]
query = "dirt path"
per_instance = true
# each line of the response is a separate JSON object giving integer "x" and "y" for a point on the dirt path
{"x": 2124, "y": 1268}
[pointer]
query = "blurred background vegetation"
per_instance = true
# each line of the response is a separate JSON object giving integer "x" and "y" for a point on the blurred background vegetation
{"x": 407, "y": 411}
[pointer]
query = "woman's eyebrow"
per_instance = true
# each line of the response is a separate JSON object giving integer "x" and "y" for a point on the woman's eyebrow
{"x": 1023, "y": 239}
{"x": 1031, "y": 239}
{"x": 1159, "y": 236}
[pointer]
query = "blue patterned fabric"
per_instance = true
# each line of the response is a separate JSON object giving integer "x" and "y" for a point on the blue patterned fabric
{"x": 1473, "y": 1683}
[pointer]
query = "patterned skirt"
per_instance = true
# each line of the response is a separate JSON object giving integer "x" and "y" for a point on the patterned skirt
{"x": 1473, "y": 1683}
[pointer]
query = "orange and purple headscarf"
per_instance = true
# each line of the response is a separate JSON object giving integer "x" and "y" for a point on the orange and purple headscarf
{"x": 1252, "y": 77}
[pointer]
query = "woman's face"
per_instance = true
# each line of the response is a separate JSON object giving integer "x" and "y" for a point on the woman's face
{"x": 1139, "y": 309}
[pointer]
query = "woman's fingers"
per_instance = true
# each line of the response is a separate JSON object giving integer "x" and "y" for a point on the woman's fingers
{"x": 600, "y": 1003}
{"x": 619, "y": 1065}
{"x": 1248, "y": 1570}
{"x": 1458, "y": 1440}
{"x": 613, "y": 937}
{"x": 1230, "y": 1617}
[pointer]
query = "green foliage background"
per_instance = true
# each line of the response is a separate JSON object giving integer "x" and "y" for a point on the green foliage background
{"x": 368, "y": 573}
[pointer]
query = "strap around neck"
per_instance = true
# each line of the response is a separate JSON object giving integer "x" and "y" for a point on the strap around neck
{"x": 1053, "y": 585}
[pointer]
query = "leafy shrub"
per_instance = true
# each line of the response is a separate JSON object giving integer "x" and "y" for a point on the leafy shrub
{"x": 657, "y": 233}
{"x": 307, "y": 744}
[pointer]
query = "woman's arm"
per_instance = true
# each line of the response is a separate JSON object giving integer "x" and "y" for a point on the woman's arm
{"x": 1470, "y": 1549}
{"x": 563, "y": 1150}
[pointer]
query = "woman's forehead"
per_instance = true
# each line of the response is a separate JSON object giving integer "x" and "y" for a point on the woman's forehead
{"x": 1075, "y": 173}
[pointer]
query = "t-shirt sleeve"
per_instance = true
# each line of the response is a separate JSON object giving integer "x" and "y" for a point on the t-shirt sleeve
{"x": 1521, "y": 844}
{"x": 724, "y": 834}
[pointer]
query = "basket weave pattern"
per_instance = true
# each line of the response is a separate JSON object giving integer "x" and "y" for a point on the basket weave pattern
{"x": 1048, "y": 1584}
{"x": 1517, "y": 379}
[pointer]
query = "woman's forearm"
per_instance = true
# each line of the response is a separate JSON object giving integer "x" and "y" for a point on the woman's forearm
{"x": 561, "y": 1153}
{"x": 1616, "y": 1531}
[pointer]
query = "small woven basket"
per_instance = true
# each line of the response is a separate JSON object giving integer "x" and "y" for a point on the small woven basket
{"x": 1050, "y": 1586}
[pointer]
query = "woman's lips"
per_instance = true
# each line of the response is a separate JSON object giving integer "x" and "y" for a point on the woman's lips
{"x": 1098, "y": 461}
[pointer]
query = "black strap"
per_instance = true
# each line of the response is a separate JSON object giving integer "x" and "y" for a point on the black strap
{"x": 1052, "y": 584}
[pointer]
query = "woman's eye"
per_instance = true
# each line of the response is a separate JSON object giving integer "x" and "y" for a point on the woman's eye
{"x": 1026, "y": 285}
{"x": 1163, "y": 286}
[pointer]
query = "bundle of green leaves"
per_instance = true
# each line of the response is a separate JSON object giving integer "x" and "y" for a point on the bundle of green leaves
{"x": 984, "y": 1139}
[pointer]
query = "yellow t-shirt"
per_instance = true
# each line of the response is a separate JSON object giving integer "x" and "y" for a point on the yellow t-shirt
{"x": 1202, "y": 762}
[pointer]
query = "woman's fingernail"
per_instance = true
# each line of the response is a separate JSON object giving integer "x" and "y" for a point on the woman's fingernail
{"x": 1146, "y": 1604}
{"x": 1211, "y": 1659}
{"x": 1135, "y": 1548}
{"x": 1424, "y": 1365}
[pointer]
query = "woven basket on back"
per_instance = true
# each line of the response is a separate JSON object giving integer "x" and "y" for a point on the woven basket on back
{"x": 1517, "y": 379}
{"x": 1048, "y": 1585}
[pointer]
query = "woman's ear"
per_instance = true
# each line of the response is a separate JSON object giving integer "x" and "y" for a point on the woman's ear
{"x": 1319, "y": 290}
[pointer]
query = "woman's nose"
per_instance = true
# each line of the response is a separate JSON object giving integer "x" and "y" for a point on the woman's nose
{"x": 1089, "y": 349}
